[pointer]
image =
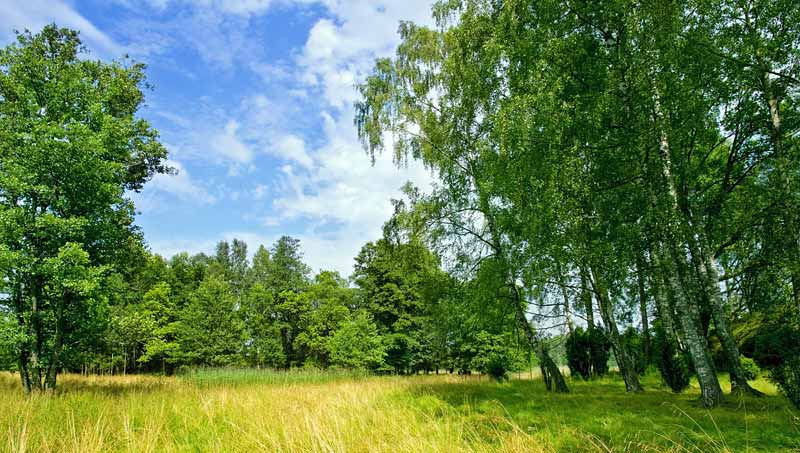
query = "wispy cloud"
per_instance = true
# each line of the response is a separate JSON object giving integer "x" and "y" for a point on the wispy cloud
{"x": 35, "y": 14}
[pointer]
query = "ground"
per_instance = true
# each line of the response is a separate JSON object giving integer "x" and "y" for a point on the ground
{"x": 308, "y": 411}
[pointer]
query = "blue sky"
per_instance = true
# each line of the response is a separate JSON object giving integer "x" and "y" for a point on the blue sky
{"x": 254, "y": 100}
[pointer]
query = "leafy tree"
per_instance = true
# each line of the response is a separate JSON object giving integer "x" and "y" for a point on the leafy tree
{"x": 263, "y": 346}
{"x": 398, "y": 279}
{"x": 357, "y": 344}
{"x": 495, "y": 355}
{"x": 70, "y": 148}
{"x": 330, "y": 302}
{"x": 209, "y": 331}
{"x": 162, "y": 315}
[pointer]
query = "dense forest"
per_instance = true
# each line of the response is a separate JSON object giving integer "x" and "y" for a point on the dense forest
{"x": 622, "y": 183}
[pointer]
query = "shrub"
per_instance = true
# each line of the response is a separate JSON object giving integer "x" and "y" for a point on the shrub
{"x": 587, "y": 352}
{"x": 633, "y": 343}
{"x": 672, "y": 362}
{"x": 777, "y": 349}
{"x": 751, "y": 370}
{"x": 787, "y": 377}
{"x": 494, "y": 355}
{"x": 578, "y": 348}
{"x": 600, "y": 350}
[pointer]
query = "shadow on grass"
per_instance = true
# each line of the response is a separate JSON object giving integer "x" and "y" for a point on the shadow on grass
{"x": 602, "y": 410}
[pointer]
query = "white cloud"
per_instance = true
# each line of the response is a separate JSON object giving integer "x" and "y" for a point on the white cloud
{"x": 339, "y": 53}
{"x": 180, "y": 185}
{"x": 343, "y": 193}
{"x": 35, "y": 14}
{"x": 293, "y": 148}
{"x": 228, "y": 147}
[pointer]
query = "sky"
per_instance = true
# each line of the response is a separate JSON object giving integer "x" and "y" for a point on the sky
{"x": 254, "y": 101}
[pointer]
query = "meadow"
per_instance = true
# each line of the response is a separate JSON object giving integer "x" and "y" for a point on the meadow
{"x": 226, "y": 410}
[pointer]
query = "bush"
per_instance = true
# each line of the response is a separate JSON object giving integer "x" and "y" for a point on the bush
{"x": 777, "y": 349}
{"x": 751, "y": 370}
{"x": 672, "y": 362}
{"x": 787, "y": 377}
{"x": 356, "y": 344}
{"x": 633, "y": 343}
{"x": 600, "y": 350}
{"x": 494, "y": 355}
{"x": 578, "y": 347}
{"x": 587, "y": 352}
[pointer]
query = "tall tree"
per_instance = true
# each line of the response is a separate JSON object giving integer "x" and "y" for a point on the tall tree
{"x": 70, "y": 147}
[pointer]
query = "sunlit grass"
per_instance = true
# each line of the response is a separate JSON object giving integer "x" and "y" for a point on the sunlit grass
{"x": 309, "y": 411}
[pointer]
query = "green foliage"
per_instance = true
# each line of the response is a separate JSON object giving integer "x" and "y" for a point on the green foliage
{"x": 599, "y": 351}
{"x": 578, "y": 348}
{"x": 209, "y": 332}
{"x": 8, "y": 342}
{"x": 357, "y": 344}
{"x": 751, "y": 370}
{"x": 71, "y": 145}
{"x": 400, "y": 286}
{"x": 587, "y": 352}
{"x": 672, "y": 362}
{"x": 495, "y": 355}
{"x": 632, "y": 341}
{"x": 777, "y": 349}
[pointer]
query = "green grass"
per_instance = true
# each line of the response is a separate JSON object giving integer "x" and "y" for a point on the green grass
{"x": 251, "y": 376}
{"x": 601, "y": 413}
{"x": 251, "y": 410}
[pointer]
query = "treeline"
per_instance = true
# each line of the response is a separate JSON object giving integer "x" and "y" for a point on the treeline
{"x": 639, "y": 161}
{"x": 226, "y": 310}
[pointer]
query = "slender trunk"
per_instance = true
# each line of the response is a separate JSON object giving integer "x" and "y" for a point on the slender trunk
{"x": 640, "y": 278}
{"x": 24, "y": 355}
{"x": 553, "y": 379}
{"x": 626, "y": 365}
{"x": 689, "y": 318}
{"x": 586, "y": 297}
{"x": 35, "y": 364}
{"x": 664, "y": 297}
{"x": 783, "y": 167}
{"x": 688, "y": 312}
{"x": 58, "y": 345}
{"x": 565, "y": 295}
{"x": 729, "y": 347}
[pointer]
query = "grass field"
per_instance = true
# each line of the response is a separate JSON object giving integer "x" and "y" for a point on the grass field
{"x": 302, "y": 411}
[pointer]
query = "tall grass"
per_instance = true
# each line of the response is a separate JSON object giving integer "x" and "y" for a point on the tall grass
{"x": 251, "y": 376}
{"x": 236, "y": 410}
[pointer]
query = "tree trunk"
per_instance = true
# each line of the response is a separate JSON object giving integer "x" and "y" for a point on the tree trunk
{"x": 729, "y": 347}
{"x": 553, "y": 379}
{"x": 688, "y": 313}
{"x": 783, "y": 184}
{"x": 34, "y": 362}
{"x": 586, "y": 297}
{"x": 23, "y": 356}
{"x": 640, "y": 278}
{"x": 58, "y": 344}
{"x": 626, "y": 365}
{"x": 565, "y": 295}
{"x": 696, "y": 343}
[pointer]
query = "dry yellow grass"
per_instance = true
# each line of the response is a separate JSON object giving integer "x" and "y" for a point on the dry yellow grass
{"x": 139, "y": 413}
{"x": 408, "y": 414}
